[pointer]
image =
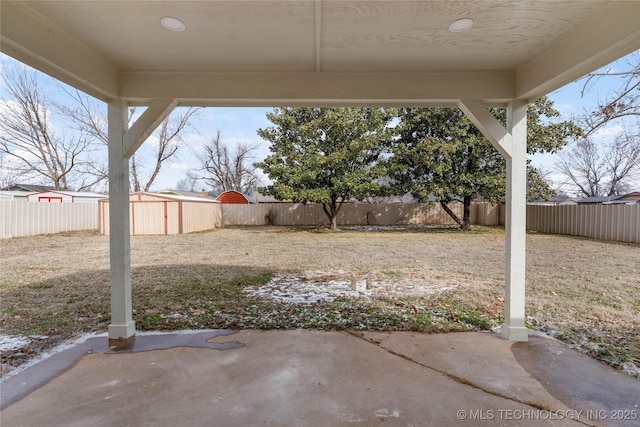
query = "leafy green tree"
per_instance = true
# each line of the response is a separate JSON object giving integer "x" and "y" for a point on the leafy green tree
{"x": 537, "y": 186}
{"x": 441, "y": 154}
{"x": 326, "y": 155}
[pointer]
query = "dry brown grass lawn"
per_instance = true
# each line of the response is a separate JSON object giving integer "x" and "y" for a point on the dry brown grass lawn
{"x": 583, "y": 291}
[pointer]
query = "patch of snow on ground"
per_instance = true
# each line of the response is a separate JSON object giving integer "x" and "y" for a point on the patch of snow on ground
{"x": 13, "y": 342}
{"x": 315, "y": 287}
{"x": 57, "y": 349}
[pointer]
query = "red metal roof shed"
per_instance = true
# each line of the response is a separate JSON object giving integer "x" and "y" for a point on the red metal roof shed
{"x": 233, "y": 197}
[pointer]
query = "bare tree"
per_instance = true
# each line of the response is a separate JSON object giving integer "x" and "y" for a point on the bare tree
{"x": 622, "y": 102}
{"x": 169, "y": 137}
{"x": 189, "y": 182}
{"x": 226, "y": 170}
{"x": 593, "y": 166}
{"x": 87, "y": 115}
{"x": 89, "y": 118}
{"x": 28, "y": 137}
{"x": 8, "y": 174}
{"x": 602, "y": 171}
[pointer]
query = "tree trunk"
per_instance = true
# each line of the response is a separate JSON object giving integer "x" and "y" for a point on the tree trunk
{"x": 451, "y": 214}
{"x": 134, "y": 175}
{"x": 466, "y": 216}
{"x": 331, "y": 210}
{"x": 465, "y": 222}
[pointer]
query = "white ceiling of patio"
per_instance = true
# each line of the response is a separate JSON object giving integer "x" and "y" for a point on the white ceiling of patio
{"x": 319, "y": 51}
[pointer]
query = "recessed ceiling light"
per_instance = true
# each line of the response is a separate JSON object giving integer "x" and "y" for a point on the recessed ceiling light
{"x": 173, "y": 24}
{"x": 461, "y": 25}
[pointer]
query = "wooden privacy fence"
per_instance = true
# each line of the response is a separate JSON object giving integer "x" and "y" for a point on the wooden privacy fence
{"x": 604, "y": 222}
{"x": 22, "y": 218}
{"x": 296, "y": 214}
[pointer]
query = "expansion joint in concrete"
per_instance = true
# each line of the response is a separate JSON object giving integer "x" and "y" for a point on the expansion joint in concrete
{"x": 454, "y": 377}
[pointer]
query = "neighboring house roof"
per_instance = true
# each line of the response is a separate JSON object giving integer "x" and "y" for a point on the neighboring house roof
{"x": 234, "y": 197}
{"x": 31, "y": 188}
{"x": 564, "y": 198}
{"x": 542, "y": 203}
{"x": 621, "y": 202}
{"x": 629, "y": 198}
{"x": 568, "y": 202}
{"x": 595, "y": 200}
{"x": 556, "y": 201}
{"x": 634, "y": 196}
{"x": 261, "y": 198}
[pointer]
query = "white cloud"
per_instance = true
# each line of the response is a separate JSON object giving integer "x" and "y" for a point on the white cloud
{"x": 8, "y": 107}
{"x": 195, "y": 140}
{"x": 179, "y": 166}
{"x": 152, "y": 141}
{"x": 609, "y": 131}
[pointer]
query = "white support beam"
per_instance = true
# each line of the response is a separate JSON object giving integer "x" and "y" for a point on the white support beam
{"x": 490, "y": 127}
{"x": 512, "y": 144}
{"x": 32, "y": 39}
{"x": 123, "y": 143}
{"x": 317, "y": 89}
{"x": 122, "y": 326}
{"x": 157, "y": 111}
{"x": 514, "y": 328}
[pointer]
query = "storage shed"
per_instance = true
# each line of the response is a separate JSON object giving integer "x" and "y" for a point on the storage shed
{"x": 233, "y": 197}
{"x": 50, "y": 197}
{"x": 65, "y": 197}
{"x": 153, "y": 213}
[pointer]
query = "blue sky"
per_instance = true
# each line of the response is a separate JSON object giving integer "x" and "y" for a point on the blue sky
{"x": 570, "y": 101}
{"x": 239, "y": 125}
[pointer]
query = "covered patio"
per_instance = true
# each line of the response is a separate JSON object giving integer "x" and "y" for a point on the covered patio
{"x": 468, "y": 54}
{"x": 317, "y": 378}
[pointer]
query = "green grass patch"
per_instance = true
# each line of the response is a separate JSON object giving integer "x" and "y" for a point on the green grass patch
{"x": 615, "y": 350}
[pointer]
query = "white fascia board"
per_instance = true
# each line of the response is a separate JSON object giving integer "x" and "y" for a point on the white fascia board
{"x": 610, "y": 35}
{"x": 317, "y": 89}
{"x": 34, "y": 40}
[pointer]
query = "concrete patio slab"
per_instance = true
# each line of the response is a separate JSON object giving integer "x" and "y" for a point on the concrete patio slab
{"x": 308, "y": 378}
{"x": 543, "y": 372}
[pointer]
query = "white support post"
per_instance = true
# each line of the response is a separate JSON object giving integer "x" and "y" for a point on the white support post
{"x": 514, "y": 328}
{"x": 122, "y": 326}
{"x": 512, "y": 144}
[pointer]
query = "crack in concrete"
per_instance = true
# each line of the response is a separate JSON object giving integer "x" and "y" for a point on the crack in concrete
{"x": 461, "y": 380}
